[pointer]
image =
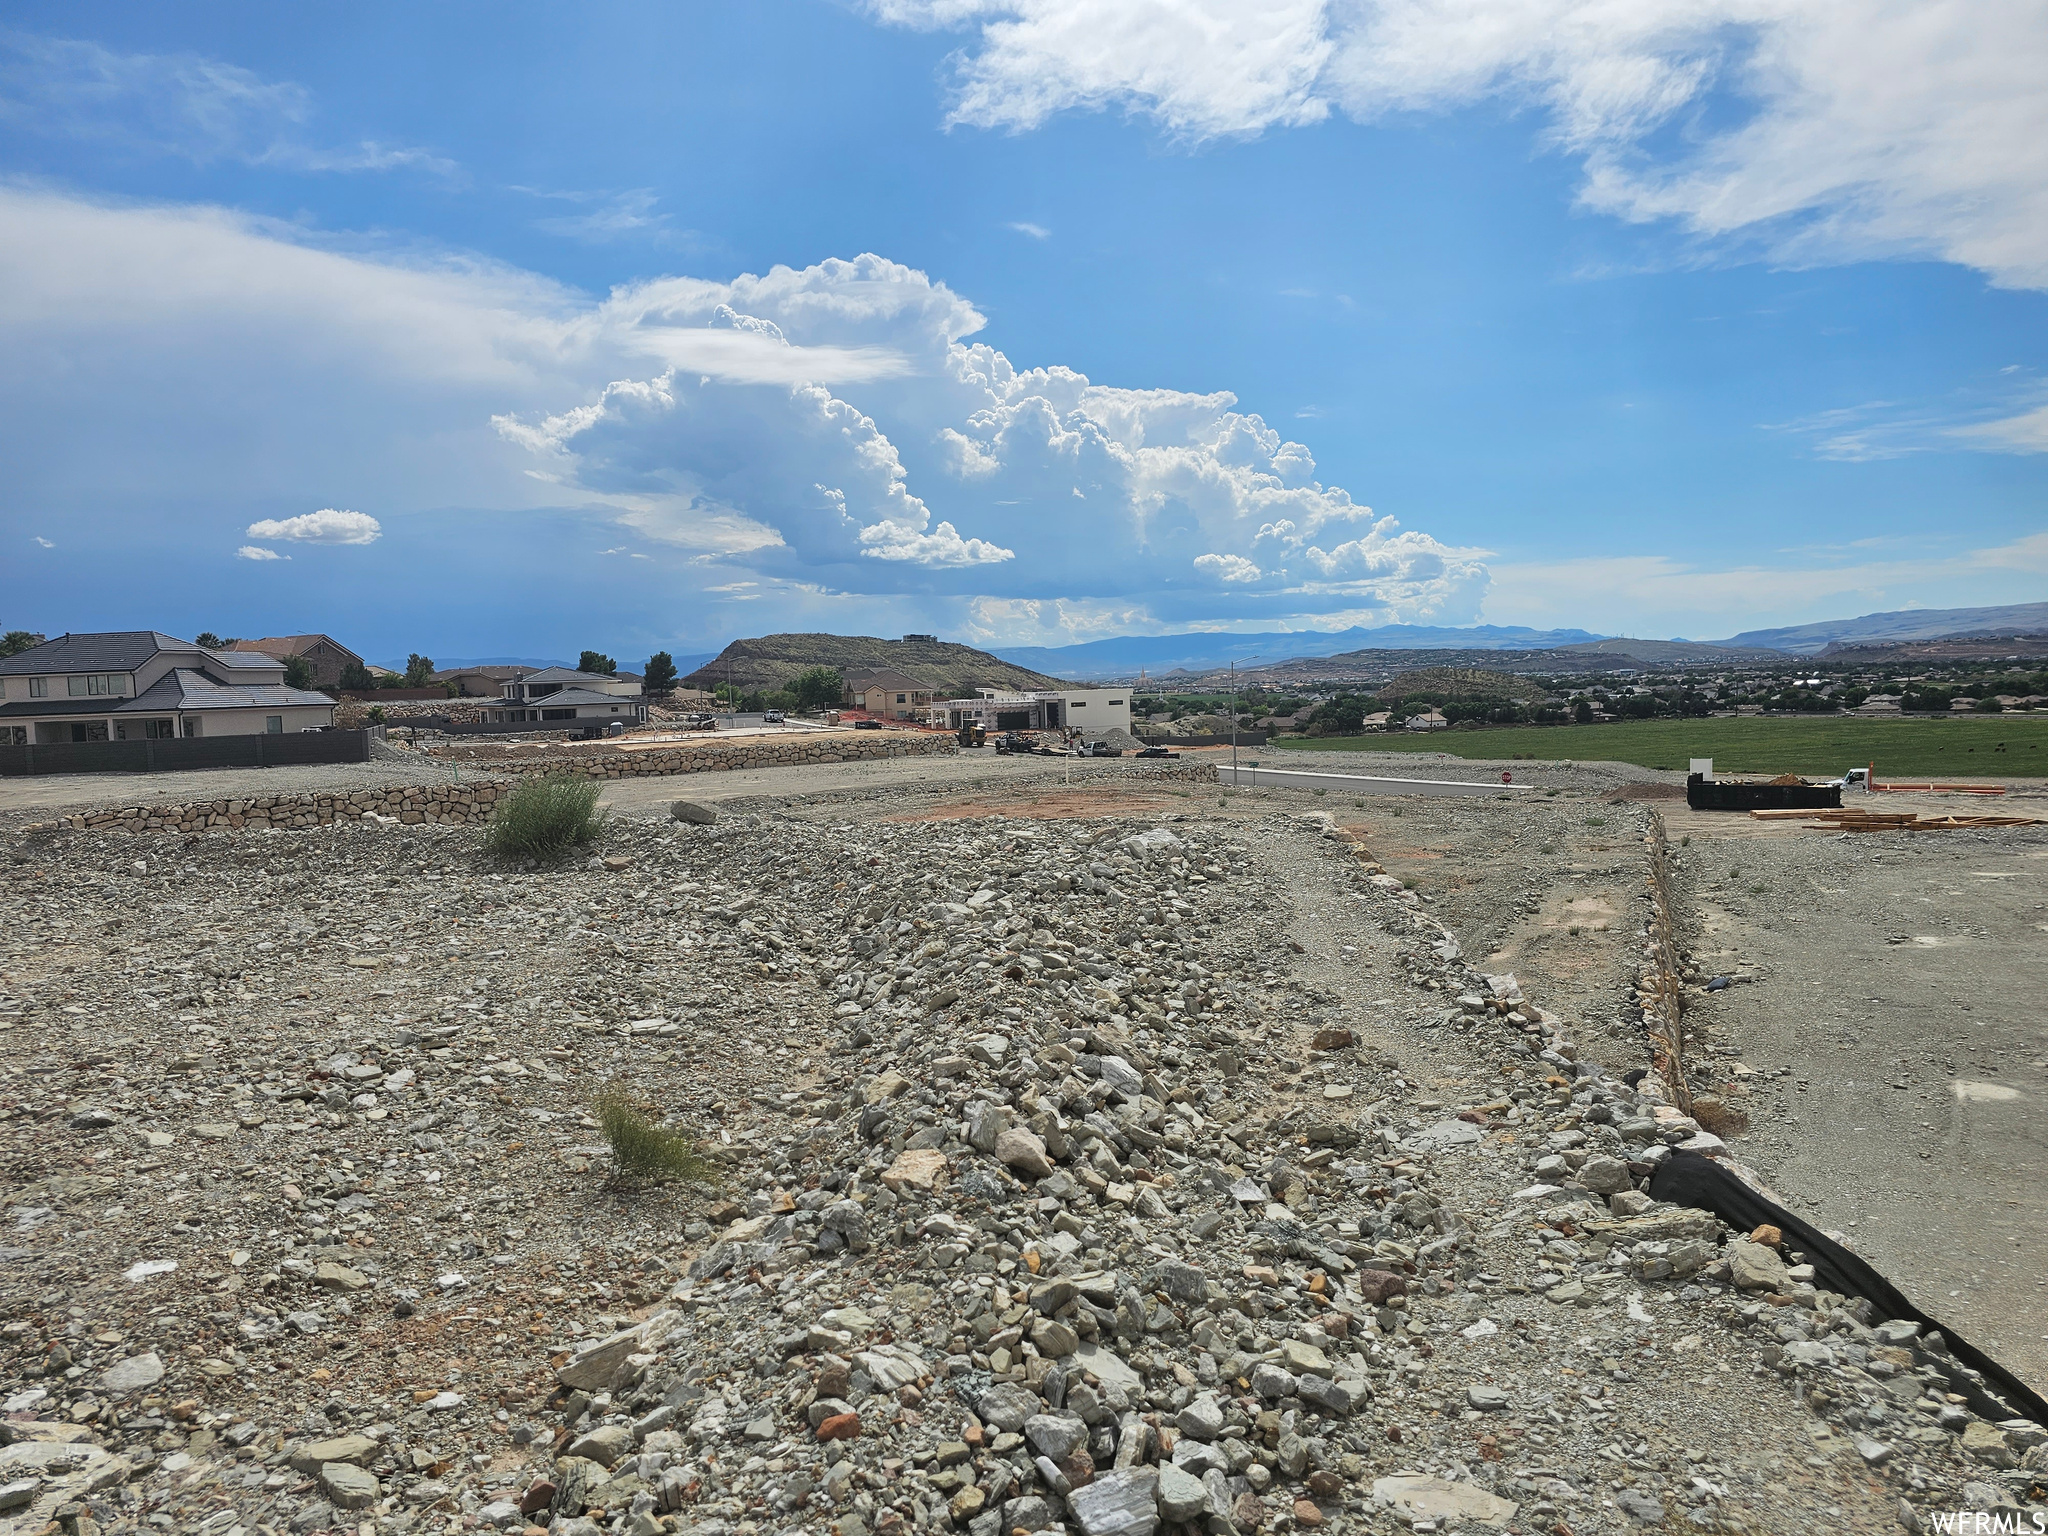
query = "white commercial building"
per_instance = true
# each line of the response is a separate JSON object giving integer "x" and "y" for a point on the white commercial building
{"x": 1091, "y": 711}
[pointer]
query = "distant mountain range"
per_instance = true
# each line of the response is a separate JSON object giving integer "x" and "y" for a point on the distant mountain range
{"x": 1908, "y": 624}
{"x": 1125, "y": 655}
{"x": 1161, "y": 655}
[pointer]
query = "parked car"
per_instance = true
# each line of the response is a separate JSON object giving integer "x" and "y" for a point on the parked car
{"x": 867, "y": 725}
{"x": 1100, "y": 749}
{"x": 771, "y": 717}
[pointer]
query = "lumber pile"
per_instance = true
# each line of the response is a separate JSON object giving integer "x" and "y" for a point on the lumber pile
{"x": 1859, "y": 820}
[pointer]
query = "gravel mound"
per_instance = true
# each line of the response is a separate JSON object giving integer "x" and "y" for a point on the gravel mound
{"x": 1062, "y": 1186}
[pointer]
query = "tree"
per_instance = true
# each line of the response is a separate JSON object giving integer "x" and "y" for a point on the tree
{"x": 16, "y": 641}
{"x": 660, "y": 676}
{"x": 355, "y": 677}
{"x": 419, "y": 671}
{"x": 818, "y": 688}
{"x": 1582, "y": 712}
{"x": 208, "y": 640}
{"x": 597, "y": 661}
{"x": 298, "y": 672}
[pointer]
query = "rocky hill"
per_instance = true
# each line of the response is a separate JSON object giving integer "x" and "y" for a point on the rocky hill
{"x": 773, "y": 661}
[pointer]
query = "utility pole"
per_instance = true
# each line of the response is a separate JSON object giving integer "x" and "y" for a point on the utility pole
{"x": 1233, "y": 716}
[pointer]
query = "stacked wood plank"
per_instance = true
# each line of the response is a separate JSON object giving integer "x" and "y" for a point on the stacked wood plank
{"x": 1859, "y": 820}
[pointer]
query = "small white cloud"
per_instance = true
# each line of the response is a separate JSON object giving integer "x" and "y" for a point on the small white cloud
{"x": 44, "y": 542}
{"x": 1228, "y": 567}
{"x": 1035, "y": 231}
{"x": 327, "y": 526}
{"x": 258, "y": 552}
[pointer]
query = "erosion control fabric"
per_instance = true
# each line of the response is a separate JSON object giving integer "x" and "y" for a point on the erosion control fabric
{"x": 1687, "y": 1178}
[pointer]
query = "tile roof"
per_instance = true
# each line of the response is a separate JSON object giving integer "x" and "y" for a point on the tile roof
{"x": 121, "y": 650}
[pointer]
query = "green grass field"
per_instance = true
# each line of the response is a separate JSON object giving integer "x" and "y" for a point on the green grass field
{"x": 1966, "y": 747}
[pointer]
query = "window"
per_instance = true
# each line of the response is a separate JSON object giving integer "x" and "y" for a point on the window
{"x": 558, "y": 714}
{"x": 13, "y": 735}
{"x": 901, "y": 700}
{"x": 1113, "y": 702}
{"x": 1078, "y": 704}
{"x": 160, "y": 730}
{"x": 94, "y": 683}
{"x": 191, "y": 725}
{"x": 273, "y": 725}
{"x": 39, "y": 687}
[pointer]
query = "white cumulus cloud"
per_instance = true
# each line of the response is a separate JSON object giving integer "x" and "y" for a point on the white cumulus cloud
{"x": 258, "y": 552}
{"x": 840, "y": 434}
{"x": 329, "y": 525}
{"x": 1833, "y": 131}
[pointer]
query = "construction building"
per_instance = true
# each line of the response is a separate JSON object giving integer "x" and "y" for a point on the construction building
{"x": 1091, "y": 711}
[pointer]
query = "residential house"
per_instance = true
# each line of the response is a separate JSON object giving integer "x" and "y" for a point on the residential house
{"x": 569, "y": 707}
{"x": 137, "y": 685}
{"x": 535, "y": 686}
{"x": 887, "y": 694}
{"x": 483, "y": 682}
{"x": 325, "y": 655}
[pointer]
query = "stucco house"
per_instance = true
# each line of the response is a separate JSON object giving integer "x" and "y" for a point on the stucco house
{"x": 887, "y": 694}
{"x": 535, "y": 686}
{"x": 325, "y": 655}
{"x": 138, "y": 685}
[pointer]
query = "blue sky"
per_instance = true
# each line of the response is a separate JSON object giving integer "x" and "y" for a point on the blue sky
{"x": 641, "y": 326}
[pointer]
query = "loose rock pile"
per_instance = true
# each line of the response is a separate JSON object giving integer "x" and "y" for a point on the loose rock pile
{"x": 1053, "y": 1198}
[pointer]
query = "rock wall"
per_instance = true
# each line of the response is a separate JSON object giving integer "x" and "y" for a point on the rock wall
{"x": 749, "y": 752}
{"x": 472, "y": 803}
{"x": 441, "y": 804}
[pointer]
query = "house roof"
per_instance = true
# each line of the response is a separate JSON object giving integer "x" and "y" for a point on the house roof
{"x": 121, "y": 650}
{"x": 492, "y": 672}
{"x": 563, "y": 675}
{"x": 890, "y": 679}
{"x": 180, "y": 688}
{"x": 563, "y": 696}
{"x": 282, "y": 646}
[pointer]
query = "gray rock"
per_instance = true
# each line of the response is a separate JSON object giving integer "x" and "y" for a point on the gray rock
{"x": 1486, "y": 1399}
{"x": 1639, "y": 1506}
{"x": 1007, "y": 1407}
{"x": 1338, "y": 1398}
{"x": 690, "y": 813}
{"x": 1024, "y": 1152}
{"x": 311, "y": 1457}
{"x": 591, "y": 1368}
{"x": 1753, "y": 1267}
{"x": 1202, "y": 1419}
{"x": 1055, "y": 1340}
{"x": 1604, "y": 1175}
{"x": 603, "y": 1445}
{"x": 1121, "y": 1503}
{"x": 1269, "y": 1380}
{"x": 133, "y": 1373}
{"x": 1055, "y": 1434}
{"x": 1181, "y": 1497}
{"x": 91, "y": 1119}
{"x": 348, "y": 1486}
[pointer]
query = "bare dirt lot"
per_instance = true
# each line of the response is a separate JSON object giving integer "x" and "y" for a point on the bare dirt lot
{"x": 1074, "y": 1146}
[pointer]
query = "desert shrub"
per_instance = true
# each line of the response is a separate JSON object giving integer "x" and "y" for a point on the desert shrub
{"x": 642, "y": 1149}
{"x": 544, "y": 818}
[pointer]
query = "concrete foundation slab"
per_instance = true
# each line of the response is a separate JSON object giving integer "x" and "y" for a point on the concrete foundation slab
{"x": 1245, "y": 776}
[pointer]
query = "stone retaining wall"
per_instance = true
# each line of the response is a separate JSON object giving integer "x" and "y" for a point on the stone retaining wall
{"x": 441, "y": 804}
{"x": 457, "y": 805}
{"x": 796, "y": 750}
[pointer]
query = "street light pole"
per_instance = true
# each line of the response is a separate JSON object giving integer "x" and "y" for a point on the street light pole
{"x": 1233, "y": 716}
